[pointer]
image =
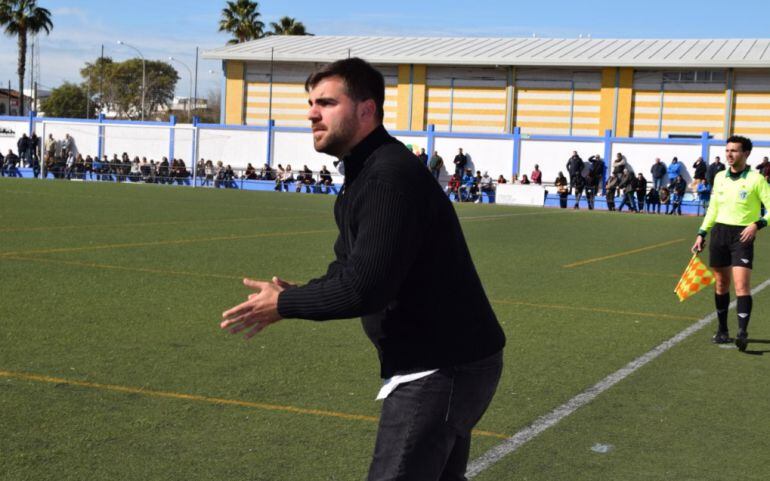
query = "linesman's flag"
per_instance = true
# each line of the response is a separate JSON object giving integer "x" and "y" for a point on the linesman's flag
{"x": 696, "y": 276}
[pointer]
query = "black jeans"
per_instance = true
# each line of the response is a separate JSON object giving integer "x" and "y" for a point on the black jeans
{"x": 425, "y": 427}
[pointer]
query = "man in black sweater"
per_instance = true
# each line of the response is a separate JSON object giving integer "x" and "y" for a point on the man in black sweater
{"x": 396, "y": 231}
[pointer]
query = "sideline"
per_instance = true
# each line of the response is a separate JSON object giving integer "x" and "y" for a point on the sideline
{"x": 546, "y": 421}
{"x": 205, "y": 399}
{"x": 621, "y": 254}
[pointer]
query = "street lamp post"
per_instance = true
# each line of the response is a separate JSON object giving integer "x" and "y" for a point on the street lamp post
{"x": 189, "y": 111}
{"x": 144, "y": 72}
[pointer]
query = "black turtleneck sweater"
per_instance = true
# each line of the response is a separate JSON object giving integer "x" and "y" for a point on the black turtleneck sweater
{"x": 402, "y": 264}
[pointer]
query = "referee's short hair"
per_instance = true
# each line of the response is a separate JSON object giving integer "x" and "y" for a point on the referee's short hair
{"x": 745, "y": 142}
{"x": 362, "y": 81}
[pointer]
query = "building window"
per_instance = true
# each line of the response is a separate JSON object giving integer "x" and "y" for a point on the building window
{"x": 694, "y": 76}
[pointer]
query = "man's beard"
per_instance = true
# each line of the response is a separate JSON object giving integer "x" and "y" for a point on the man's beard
{"x": 336, "y": 141}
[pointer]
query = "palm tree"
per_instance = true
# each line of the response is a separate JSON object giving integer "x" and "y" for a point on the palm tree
{"x": 241, "y": 18}
{"x": 288, "y": 26}
{"x": 22, "y": 17}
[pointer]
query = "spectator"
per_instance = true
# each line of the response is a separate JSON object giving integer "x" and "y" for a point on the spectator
{"x": 764, "y": 168}
{"x": 574, "y": 167}
{"x": 88, "y": 169}
{"x": 469, "y": 189}
{"x": 267, "y": 172}
{"x": 164, "y": 171}
{"x": 200, "y": 169}
{"x": 229, "y": 178}
{"x": 69, "y": 165}
{"x": 514, "y": 178}
{"x": 435, "y": 164}
{"x": 460, "y": 161}
{"x": 713, "y": 169}
{"x": 453, "y": 187}
{"x": 423, "y": 157}
{"x": 653, "y": 201}
{"x": 597, "y": 173}
{"x": 501, "y": 179}
{"x": 641, "y": 190}
{"x": 136, "y": 170}
{"x": 485, "y": 184}
{"x": 674, "y": 169}
{"x": 50, "y": 147}
{"x": 620, "y": 164}
{"x": 611, "y": 191}
{"x": 579, "y": 186}
{"x": 562, "y": 188}
{"x": 68, "y": 146}
{"x": 699, "y": 171}
{"x": 34, "y": 151}
{"x": 305, "y": 178}
{"x": 627, "y": 184}
{"x": 677, "y": 188}
{"x": 325, "y": 180}
{"x": 11, "y": 162}
{"x": 250, "y": 173}
{"x": 704, "y": 194}
{"x": 665, "y": 198}
{"x": 23, "y": 146}
{"x": 219, "y": 174}
{"x": 658, "y": 171}
{"x": 208, "y": 169}
{"x": 537, "y": 176}
{"x": 524, "y": 180}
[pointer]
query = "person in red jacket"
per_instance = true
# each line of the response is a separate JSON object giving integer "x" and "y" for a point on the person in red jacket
{"x": 453, "y": 187}
{"x": 537, "y": 175}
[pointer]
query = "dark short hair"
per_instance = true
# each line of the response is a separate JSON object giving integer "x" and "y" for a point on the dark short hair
{"x": 362, "y": 81}
{"x": 746, "y": 144}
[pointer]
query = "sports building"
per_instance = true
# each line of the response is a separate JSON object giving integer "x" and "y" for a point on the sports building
{"x": 636, "y": 88}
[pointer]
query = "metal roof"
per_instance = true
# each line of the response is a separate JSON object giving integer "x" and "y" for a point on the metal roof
{"x": 554, "y": 52}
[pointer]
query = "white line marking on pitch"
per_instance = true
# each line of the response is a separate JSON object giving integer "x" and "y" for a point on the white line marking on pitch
{"x": 542, "y": 423}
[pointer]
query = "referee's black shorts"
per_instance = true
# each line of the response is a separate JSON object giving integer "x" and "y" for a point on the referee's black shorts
{"x": 726, "y": 248}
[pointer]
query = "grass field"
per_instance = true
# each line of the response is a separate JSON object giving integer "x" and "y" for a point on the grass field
{"x": 112, "y": 365}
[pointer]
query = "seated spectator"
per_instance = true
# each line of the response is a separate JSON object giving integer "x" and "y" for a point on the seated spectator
{"x": 164, "y": 171}
{"x": 180, "y": 170}
{"x": 325, "y": 180}
{"x": 229, "y": 177}
{"x": 537, "y": 176}
{"x": 146, "y": 171}
{"x": 524, "y": 179}
{"x": 485, "y": 185}
{"x": 250, "y": 173}
{"x": 469, "y": 188}
{"x": 453, "y": 187}
{"x": 136, "y": 170}
{"x": 653, "y": 201}
{"x": 501, "y": 179}
{"x": 267, "y": 173}
{"x": 305, "y": 178}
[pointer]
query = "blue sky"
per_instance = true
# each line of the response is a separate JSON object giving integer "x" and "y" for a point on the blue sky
{"x": 164, "y": 28}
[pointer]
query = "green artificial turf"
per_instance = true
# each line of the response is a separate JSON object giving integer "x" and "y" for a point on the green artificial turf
{"x": 122, "y": 286}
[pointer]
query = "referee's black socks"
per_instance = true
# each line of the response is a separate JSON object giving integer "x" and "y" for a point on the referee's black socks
{"x": 722, "y": 302}
{"x": 744, "y": 312}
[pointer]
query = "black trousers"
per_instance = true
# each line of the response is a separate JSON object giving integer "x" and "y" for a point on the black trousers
{"x": 425, "y": 427}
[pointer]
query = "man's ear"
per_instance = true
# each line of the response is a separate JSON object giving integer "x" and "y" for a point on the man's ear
{"x": 368, "y": 109}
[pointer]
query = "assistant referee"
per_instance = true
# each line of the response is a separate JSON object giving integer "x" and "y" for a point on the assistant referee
{"x": 734, "y": 215}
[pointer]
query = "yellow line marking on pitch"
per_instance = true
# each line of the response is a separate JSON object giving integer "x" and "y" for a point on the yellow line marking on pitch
{"x": 593, "y": 309}
{"x": 166, "y": 242}
{"x": 206, "y": 399}
{"x": 621, "y": 254}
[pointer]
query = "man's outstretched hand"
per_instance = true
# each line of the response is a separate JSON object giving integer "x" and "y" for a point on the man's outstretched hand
{"x": 259, "y": 311}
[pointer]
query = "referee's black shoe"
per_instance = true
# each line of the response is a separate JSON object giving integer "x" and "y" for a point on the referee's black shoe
{"x": 742, "y": 340}
{"x": 721, "y": 337}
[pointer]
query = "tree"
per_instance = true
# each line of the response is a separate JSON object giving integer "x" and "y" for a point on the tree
{"x": 241, "y": 18}
{"x": 288, "y": 26}
{"x": 22, "y": 17}
{"x": 117, "y": 86}
{"x": 69, "y": 101}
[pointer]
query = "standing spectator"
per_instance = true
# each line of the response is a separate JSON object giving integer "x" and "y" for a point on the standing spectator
{"x": 579, "y": 186}
{"x": 713, "y": 169}
{"x": 23, "y": 147}
{"x": 658, "y": 171}
{"x": 435, "y": 164}
{"x": 50, "y": 147}
{"x": 677, "y": 187}
{"x": 674, "y": 169}
{"x": 34, "y": 143}
{"x": 620, "y": 164}
{"x": 627, "y": 184}
{"x": 229, "y": 177}
{"x": 423, "y": 157}
{"x": 562, "y": 188}
{"x": 163, "y": 170}
{"x": 641, "y": 190}
{"x": 460, "y": 161}
{"x": 764, "y": 168}
{"x": 699, "y": 170}
{"x": 68, "y": 145}
{"x": 208, "y": 170}
{"x": 597, "y": 172}
{"x": 11, "y": 162}
{"x": 704, "y": 194}
{"x": 136, "y": 170}
{"x": 574, "y": 168}
{"x": 653, "y": 201}
{"x": 537, "y": 176}
{"x": 665, "y": 198}
{"x": 610, "y": 191}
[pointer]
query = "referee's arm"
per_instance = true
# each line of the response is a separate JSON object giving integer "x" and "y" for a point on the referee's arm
{"x": 763, "y": 193}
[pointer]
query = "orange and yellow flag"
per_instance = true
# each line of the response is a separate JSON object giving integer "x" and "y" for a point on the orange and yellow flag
{"x": 696, "y": 276}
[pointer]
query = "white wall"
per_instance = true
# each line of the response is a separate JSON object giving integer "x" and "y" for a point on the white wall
{"x": 142, "y": 141}
{"x": 552, "y": 156}
{"x": 296, "y": 148}
{"x": 85, "y": 135}
{"x": 491, "y": 155}
{"x": 9, "y": 142}
{"x": 756, "y": 153}
{"x": 234, "y": 147}
{"x": 183, "y": 143}
{"x": 642, "y": 156}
